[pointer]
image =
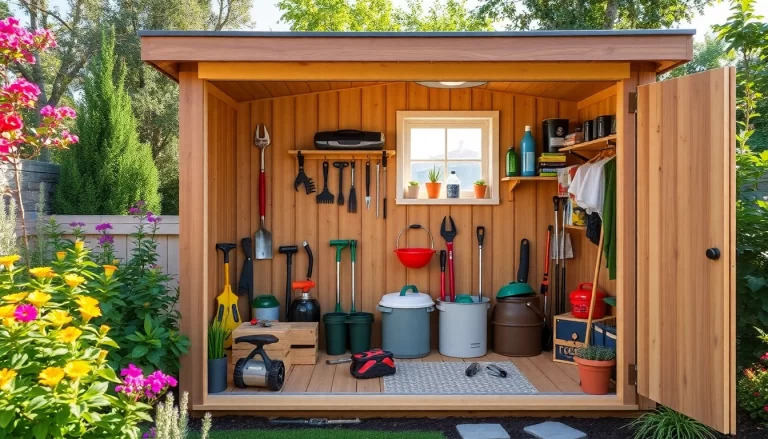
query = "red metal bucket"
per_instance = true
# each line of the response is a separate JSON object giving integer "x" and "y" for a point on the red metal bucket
{"x": 414, "y": 257}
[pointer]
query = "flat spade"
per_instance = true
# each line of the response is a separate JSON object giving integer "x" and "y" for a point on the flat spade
{"x": 263, "y": 238}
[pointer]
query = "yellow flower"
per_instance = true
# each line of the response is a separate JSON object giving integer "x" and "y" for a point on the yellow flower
{"x": 79, "y": 245}
{"x": 68, "y": 335}
{"x": 61, "y": 256}
{"x": 6, "y": 377}
{"x": 89, "y": 312}
{"x": 7, "y": 261}
{"x": 73, "y": 280}
{"x": 9, "y": 322}
{"x": 38, "y": 298}
{"x": 103, "y": 329}
{"x": 85, "y": 301}
{"x": 7, "y": 311}
{"x": 15, "y": 298}
{"x": 77, "y": 369}
{"x": 103, "y": 355}
{"x": 50, "y": 376}
{"x": 42, "y": 272}
{"x": 109, "y": 270}
{"x": 115, "y": 261}
{"x": 59, "y": 317}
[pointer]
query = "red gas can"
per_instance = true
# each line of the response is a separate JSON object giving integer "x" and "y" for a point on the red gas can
{"x": 580, "y": 298}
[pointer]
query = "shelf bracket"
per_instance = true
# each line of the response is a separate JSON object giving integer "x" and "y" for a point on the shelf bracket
{"x": 511, "y": 188}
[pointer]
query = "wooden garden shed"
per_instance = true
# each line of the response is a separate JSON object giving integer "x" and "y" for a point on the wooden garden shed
{"x": 675, "y": 153}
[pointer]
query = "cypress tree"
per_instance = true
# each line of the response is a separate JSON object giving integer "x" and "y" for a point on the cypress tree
{"x": 109, "y": 169}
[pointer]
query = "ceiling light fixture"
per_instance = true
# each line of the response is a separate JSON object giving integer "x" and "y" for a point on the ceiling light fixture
{"x": 450, "y": 84}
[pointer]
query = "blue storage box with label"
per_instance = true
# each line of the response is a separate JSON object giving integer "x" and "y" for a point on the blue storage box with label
{"x": 571, "y": 331}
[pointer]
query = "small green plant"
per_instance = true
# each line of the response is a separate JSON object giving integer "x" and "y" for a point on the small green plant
{"x": 666, "y": 423}
{"x": 480, "y": 183}
{"x": 217, "y": 333}
{"x": 752, "y": 386}
{"x": 434, "y": 174}
{"x": 596, "y": 353}
{"x": 173, "y": 422}
{"x": 413, "y": 183}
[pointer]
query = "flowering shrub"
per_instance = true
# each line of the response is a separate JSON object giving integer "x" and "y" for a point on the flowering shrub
{"x": 752, "y": 387}
{"x": 54, "y": 365}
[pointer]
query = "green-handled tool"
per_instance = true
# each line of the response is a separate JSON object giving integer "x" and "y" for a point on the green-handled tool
{"x": 339, "y": 244}
{"x": 353, "y": 249}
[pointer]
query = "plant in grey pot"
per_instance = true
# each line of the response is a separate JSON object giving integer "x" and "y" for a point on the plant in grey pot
{"x": 217, "y": 359}
{"x": 413, "y": 190}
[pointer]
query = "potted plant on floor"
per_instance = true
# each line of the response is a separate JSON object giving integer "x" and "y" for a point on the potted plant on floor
{"x": 433, "y": 187}
{"x": 217, "y": 359}
{"x": 413, "y": 189}
{"x": 480, "y": 189}
{"x": 595, "y": 364}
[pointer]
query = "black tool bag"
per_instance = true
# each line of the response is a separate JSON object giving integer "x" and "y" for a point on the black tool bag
{"x": 372, "y": 364}
{"x": 349, "y": 139}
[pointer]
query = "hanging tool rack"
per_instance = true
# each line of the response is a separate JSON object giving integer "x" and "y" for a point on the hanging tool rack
{"x": 313, "y": 154}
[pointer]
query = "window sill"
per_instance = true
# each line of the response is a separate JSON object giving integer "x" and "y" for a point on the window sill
{"x": 447, "y": 201}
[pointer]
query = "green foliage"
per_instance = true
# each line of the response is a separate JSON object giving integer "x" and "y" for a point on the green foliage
{"x": 172, "y": 422}
{"x": 217, "y": 334}
{"x": 590, "y": 14}
{"x": 666, "y": 423}
{"x": 8, "y": 226}
{"x": 434, "y": 174}
{"x": 752, "y": 387}
{"x": 707, "y": 55}
{"x": 413, "y": 183}
{"x": 480, "y": 182}
{"x": 110, "y": 168}
{"x": 54, "y": 367}
{"x": 596, "y": 353}
{"x": 379, "y": 15}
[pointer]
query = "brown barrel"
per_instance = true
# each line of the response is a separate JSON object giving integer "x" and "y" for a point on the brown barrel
{"x": 517, "y": 325}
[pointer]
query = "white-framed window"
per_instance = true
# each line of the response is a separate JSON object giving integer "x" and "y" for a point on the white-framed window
{"x": 466, "y": 142}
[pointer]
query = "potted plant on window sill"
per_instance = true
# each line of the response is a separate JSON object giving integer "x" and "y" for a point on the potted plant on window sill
{"x": 433, "y": 187}
{"x": 413, "y": 190}
{"x": 217, "y": 359}
{"x": 480, "y": 189}
{"x": 595, "y": 364}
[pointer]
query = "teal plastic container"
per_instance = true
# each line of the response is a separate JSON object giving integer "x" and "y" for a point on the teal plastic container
{"x": 528, "y": 154}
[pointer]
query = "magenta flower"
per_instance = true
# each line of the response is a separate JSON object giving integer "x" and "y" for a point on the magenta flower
{"x": 132, "y": 371}
{"x": 25, "y": 313}
{"x": 10, "y": 122}
{"x": 65, "y": 112}
{"x": 152, "y": 218}
{"x": 47, "y": 111}
{"x": 23, "y": 91}
{"x": 103, "y": 226}
{"x": 764, "y": 357}
{"x": 106, "y": 239}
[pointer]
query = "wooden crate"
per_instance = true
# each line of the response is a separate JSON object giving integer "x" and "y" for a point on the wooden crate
{"x": 570, "y": 333}
{"x": 297, "y": 343}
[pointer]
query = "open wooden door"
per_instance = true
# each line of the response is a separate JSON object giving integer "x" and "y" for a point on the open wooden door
{"x": 686, "y": 245}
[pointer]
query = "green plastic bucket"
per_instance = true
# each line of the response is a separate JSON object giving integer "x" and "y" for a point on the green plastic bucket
{"x": 335, "y": 333}
{"x": 360, "y": 324}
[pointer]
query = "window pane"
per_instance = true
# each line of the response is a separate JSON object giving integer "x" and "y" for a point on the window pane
{"x": 427, "y": 144}
{"x": 464, "y": 143}
{"x": 420, "y": 171}
{"x": 468, "y": 173}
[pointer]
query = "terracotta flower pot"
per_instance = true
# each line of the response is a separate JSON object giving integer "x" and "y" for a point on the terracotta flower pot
{"x": 480, "y": 191}
{"x": 413, "y": 192}
{"x": 594, "y": 375}
{"x": 433, "y": 189}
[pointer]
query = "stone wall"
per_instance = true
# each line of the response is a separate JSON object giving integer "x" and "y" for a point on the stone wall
{"x": 33, "y": 174}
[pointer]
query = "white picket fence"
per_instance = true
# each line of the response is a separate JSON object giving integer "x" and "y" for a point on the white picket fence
{"x": 167, "y": 236}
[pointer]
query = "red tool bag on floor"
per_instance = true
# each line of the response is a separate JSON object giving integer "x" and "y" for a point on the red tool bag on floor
{"x": 372, "y": 364}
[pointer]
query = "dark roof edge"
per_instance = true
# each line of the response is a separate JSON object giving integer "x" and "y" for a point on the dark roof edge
{"x": 539, "y": 33}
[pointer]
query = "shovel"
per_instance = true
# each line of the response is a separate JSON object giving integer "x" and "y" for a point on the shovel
{"x": 263, "y": 238}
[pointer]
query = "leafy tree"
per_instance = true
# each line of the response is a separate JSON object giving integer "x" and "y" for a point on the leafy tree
{"x": 707, "y": 55}
{"x": 111, "y": 168}
{"x": 590, "y": 14}
{"x": 379, "y": 15}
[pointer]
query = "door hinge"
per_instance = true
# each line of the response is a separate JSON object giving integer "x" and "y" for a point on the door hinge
{"x": 632, "y": 374}
{"x": 632, "y": 102}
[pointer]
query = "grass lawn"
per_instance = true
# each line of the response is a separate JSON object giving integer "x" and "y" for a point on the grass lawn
{"x": 322, "y": 433}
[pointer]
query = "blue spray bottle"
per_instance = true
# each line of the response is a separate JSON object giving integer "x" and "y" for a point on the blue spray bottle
{"x": 528, "y": 154}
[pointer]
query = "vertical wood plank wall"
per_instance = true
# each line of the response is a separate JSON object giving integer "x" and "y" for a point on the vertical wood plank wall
{"x": 294, "y": 217}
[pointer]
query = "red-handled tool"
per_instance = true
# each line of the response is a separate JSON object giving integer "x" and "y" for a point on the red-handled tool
{"x": 442, "y": 275}
{"x": 448, "y": 235}
{"x": 263, "y": 238}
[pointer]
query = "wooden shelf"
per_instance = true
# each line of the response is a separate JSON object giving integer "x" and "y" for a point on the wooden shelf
{"x": 592, "y": 145}
{"x": 319, "y": 154}
{"x": 514, "y": 181}
{"x": 576, "y": 227}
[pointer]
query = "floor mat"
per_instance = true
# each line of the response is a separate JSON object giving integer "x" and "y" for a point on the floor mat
{"x": 449, "y": 378}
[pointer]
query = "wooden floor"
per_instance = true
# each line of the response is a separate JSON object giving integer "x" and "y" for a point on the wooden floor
{"x": 546, "y": 375}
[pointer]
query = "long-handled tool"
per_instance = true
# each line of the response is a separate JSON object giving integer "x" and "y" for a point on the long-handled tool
{"x": 563, "y": 255}
{"x": 546, "y": 330}
{"x": 448, "y": 235}
{"x": 315, "y": 422}
{"x": 339, "y": 244}
{"x": 525, "y": 258}
{"x": 556, "y": 256}
{"x": 301, "y": 177}
{"x": 227, "y": 311}
{"x": 325, "y": 197}
{"x": 288, "y": 251}
{"x": 353, "y": 251}
{"x": 340, "y": 166}
{"x": 245, "y": 286}
{"x": 377, "y": 189}
{"x": 442, "y": 275}
{"x": 368, "y": 185}
{"x": 480, "y": 238}
{"x": 262, "y": 238}
{"x": 352, "y": 203}
{"x": 384, "y": 165}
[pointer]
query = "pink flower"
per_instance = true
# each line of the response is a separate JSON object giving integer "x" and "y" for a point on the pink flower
{"x": 47, "y": 111}
{"x": 65, "y": 112}
{"x": 10, "y": 122}
{"x": 44, "y": 39}
{"x": 68, "y": 137}
{"x": 25, "y": 313}
{"x": 118, "y": 388}
{"x": 23, "y": 91}
{"x": 765, "y": 408}
{"x": 152, "y": 218}
{"x": 103, "y": 226}
{"x": 132, "y": 371}
{"x": 764, "y": 357}
{"x": 171, "y": 381}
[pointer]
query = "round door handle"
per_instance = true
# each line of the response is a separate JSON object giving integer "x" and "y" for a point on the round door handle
{"x": 713, "y": 253}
